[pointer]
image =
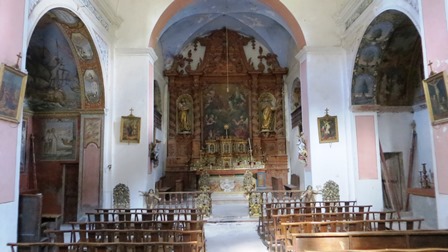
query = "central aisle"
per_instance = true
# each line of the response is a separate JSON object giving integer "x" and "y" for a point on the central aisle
{"x": 230, "y": 228}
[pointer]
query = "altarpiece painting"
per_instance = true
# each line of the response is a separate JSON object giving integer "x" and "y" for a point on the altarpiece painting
{"x": 226, "y": 111}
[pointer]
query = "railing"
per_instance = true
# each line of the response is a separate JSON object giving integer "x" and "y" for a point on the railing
{"x": 200, "y": 200}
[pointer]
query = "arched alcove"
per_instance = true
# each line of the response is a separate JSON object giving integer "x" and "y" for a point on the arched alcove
{"x": 64, "y": 104}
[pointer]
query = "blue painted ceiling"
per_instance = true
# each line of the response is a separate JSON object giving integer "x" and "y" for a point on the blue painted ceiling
{"x": 248, "y": 17}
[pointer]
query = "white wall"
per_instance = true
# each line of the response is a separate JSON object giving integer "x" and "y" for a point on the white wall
{"x": 424, "y": 207}
{"x": 326, "y": 82}
{"x": 133, "y": 85}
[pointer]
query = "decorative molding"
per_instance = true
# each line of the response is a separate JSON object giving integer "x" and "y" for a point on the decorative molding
{"x": 134, "y": 51}
{"x": 103, "y": 52}
{"x": 414, "y": 4}
{"x": 152, "y": 55}
{"x": 379, "y": 108}
{"x": 31, "y": 5}
{"x": 110, "y": 14}
{"x": 352, "y": 11}
{"x": 104, "y": 21}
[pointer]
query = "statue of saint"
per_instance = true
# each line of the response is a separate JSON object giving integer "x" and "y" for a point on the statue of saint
{"x": 184, "y": 122}
{"x": 267, "y": 118}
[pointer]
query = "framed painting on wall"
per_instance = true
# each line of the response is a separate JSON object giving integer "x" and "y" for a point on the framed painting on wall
{"x": 12, "y": 92}
{"x": 436, "y": 97}
{"x": 328, "y": 128}
{"x": 130, "y": 129}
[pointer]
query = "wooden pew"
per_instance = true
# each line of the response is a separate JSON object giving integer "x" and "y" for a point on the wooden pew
{"x": 294, "y": 211}
{"x": 131, "y": 235}
{"x": 180, "y": 246}
{"x": 151, "y": 224}
{"x": 344, "y": 241}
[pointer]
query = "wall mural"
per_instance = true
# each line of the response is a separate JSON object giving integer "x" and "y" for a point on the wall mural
{"x": 63, "y": 65}
{"x": 53, "y": 82}
{"x": 223, "y": 108}
{"x": 57, "y": 139}
{"x": 388, "y": 68}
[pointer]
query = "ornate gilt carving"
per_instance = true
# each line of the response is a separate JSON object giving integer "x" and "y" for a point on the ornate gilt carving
{"x": 121, "y": 196}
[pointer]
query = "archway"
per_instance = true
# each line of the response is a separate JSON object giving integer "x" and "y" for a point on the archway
{"x": 64, "y": 104}
{"x": 387, "y": 79}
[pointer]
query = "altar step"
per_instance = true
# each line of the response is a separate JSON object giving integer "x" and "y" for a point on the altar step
{"x": 230, "y": 207}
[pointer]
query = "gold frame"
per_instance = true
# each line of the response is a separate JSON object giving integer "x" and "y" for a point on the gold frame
{"x": 132, "y": 125}
{"x": 330, "y": 124}
{"x": 436, "y": 96}
{"x": 15, "y": 80}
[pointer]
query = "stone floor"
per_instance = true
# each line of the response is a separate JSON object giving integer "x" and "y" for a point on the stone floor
{"x": 230, "y": 228}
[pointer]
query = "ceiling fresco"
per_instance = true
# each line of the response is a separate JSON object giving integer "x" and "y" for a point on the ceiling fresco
{"x": 388, "y": 68}
{"x": 251, "y": 18}
{"x": 64, "y": 72}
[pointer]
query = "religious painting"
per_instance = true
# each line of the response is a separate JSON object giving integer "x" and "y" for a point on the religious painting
{"x": 295, "y": 95}
{"x": 53, "y": 83}
{"x": 92, "y": 89}
{"x": 363, "y": 89}
{"x": 267, "y": 105}
{"x": 157, "y": 106}
{"x": 184, "y": 114}
{"x": 23, "y": 147}
{"x": 58, "y": 139}
{"x": 12, "y": 91}
{"x": 82, "y": 46}
{"x": 436, "y": 95}
{"x": 225, "y": 112}
{"x": 130, "y": 129}
{"x": 328, "y": 128}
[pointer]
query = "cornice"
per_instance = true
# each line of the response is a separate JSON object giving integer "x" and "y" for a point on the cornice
{"x": 352, "y": 10}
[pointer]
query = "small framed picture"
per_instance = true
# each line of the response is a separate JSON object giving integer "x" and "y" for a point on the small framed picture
{"x": 436, "y": 97}
{"x": 130, "y": 129}
{"x": 12, "y": 92}
{"x": 328, "y": 129}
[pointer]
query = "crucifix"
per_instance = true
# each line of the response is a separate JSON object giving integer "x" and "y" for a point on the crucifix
{"x": 131, "y": 110}
{"x": 19, "y": 57}
{"x": 430, "y": 68}
{"x": 326, "y": 111}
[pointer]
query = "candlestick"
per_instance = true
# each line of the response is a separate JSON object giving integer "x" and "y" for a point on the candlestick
{"x": 250, "y": 147}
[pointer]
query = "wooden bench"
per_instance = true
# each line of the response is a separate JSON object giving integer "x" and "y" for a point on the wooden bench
{"x": 151, "y": 224}
{"x": 181, "y": 246}
{"x": 369, "y": 240}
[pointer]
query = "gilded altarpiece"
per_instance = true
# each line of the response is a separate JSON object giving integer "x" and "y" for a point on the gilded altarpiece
{"x": 234, "y": 120}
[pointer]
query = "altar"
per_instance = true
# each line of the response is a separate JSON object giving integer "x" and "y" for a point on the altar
{"x": 225, "y": 116}
{"x": 225, "y": 161}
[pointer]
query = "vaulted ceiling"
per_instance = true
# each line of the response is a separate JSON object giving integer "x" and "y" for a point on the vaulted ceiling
{"x": 250, "y": 18}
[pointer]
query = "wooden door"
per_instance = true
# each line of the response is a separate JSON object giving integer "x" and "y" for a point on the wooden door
{"x": 394, "y": 162}
{"x": 71, "y": 178}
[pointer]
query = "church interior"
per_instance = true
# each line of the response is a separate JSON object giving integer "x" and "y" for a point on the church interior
{"x": 269, "y": 105}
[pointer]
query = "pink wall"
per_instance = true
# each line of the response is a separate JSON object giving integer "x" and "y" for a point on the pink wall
{"x": 436, "y": 39}
{"x": 91, "y": 174}
{"x": 366, "y": 139}
{"x": 11, "y": 30}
